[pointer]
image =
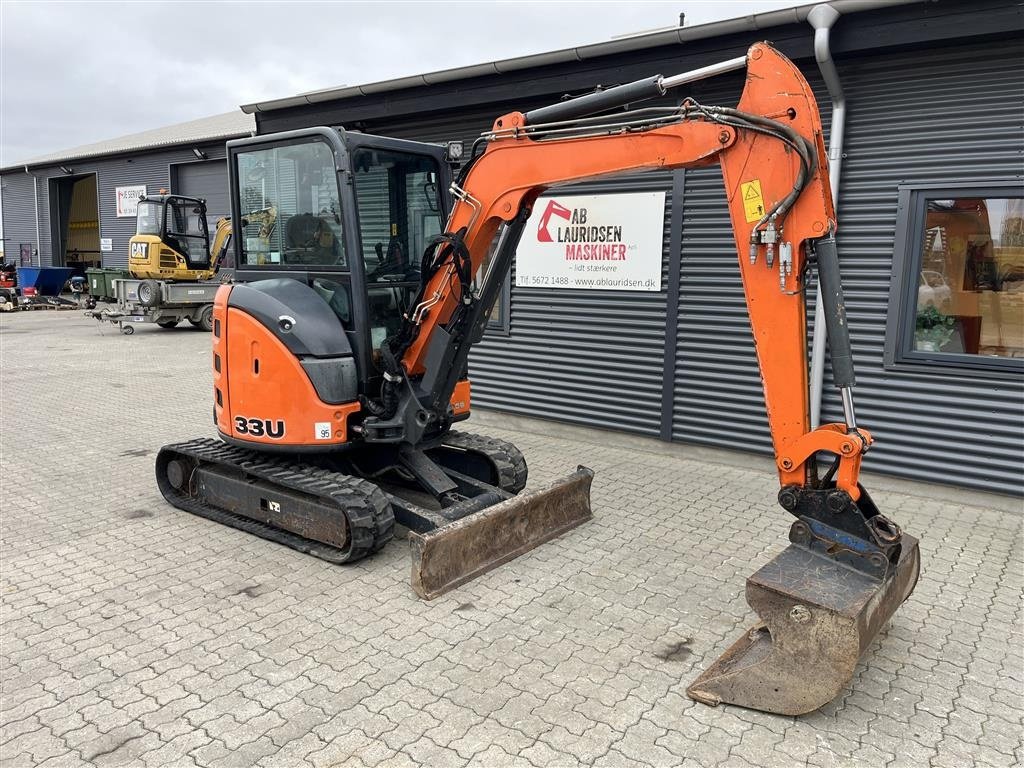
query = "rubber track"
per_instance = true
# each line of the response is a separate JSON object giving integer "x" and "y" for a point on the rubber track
{"x": 371, "y": 521}
{"x": 503, "y": 455}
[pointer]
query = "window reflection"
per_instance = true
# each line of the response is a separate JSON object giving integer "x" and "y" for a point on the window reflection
{"x": 970, "y": 294}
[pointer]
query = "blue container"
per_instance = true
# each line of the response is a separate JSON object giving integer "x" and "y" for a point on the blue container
{"x": 48, "y": 281}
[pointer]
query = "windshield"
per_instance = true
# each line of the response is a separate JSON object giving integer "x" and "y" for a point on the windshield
{"x": 148, "y": 222}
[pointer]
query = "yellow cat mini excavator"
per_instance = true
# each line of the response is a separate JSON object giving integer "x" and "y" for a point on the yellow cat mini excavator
{"x": 340, "y": 366}
{"x": 172, "y": 238}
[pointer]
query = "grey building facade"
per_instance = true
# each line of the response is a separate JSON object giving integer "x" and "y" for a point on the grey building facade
{"x": 62, "y": 208}
{"x": 934, "y": 97}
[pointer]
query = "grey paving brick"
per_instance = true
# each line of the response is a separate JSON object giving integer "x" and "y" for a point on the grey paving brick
{"x": 354, "y": 748}
{"x": 137, "y": 634}
{"x": 423, "y": 751}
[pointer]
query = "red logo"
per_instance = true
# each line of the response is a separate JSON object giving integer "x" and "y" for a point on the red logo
{"x": 554, "y": 209}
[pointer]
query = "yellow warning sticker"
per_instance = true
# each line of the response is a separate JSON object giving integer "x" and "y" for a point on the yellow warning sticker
{"x": 753, "y": 202}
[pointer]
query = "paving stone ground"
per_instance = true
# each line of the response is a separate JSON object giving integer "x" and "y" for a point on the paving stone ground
{"x": 136, "y": 634}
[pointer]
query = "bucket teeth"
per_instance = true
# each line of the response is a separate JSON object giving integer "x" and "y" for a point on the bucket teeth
{"x": 818, "y": 616}
{"x": 458, "y": 552}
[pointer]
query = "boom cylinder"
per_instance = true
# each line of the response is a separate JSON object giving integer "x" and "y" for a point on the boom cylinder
{"x": 600, "y": 101}
{"x": 835, "y": 313}
{"x": 639, "y": 90}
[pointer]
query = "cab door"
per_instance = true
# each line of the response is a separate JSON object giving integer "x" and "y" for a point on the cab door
{"x": 296, "y": 196}
{"x": 400, "y": 190}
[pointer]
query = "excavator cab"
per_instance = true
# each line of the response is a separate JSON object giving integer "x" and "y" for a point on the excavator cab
{"x": 355, "y": 214}
{"x": 172, "y": 240}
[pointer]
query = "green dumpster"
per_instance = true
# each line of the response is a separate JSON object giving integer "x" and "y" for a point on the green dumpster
{"x": 94, "y": 279}
{"x": 101, "y": 281}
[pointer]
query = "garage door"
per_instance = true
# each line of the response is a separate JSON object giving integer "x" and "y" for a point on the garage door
{"x": 208, "y": 180}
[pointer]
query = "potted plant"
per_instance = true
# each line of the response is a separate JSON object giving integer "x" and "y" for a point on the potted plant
{"x": 933, "y": 330}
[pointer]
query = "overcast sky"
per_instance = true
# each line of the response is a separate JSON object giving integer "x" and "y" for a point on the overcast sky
{"x": 78, "y": 72}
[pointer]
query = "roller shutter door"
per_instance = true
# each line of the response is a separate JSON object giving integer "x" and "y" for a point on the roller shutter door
{"x": 208, "y": 180}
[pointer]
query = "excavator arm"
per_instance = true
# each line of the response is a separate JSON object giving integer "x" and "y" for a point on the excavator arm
{"x": 848, "y": 567}
{"x": 769, "y": 148}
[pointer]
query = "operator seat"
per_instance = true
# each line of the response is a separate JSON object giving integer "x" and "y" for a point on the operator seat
{"x": 309, "y": 240}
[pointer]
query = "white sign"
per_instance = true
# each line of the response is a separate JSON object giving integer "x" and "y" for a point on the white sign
{"x": 106, "y": 244}
{"x": 594, "y": 242}
{"x": 128, "y": 200}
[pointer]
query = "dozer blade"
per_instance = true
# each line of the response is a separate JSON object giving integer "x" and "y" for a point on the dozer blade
{"x": 817, "y": 617}
{"x": 458, "y": 552}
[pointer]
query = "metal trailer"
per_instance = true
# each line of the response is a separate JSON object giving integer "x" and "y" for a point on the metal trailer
{"x": 161, "y": 302}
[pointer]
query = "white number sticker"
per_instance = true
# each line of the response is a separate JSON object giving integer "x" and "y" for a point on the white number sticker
{"x": 322, "y": 429}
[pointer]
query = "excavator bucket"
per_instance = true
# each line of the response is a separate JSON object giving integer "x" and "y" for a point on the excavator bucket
{"x": 817, "y": 617}
{"x": 452, "y": 554}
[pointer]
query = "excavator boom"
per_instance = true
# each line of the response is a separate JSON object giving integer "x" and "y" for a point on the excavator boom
{"x": 848, "y": 567}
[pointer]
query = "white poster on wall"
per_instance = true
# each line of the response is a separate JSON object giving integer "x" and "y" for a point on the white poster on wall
{"x": 128, "y": 199}
{"x": 608, "y": 242}
{"x": 106, "y": 244}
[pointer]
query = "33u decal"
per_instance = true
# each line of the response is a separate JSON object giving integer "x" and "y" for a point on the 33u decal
{"x": 274, "y": 429}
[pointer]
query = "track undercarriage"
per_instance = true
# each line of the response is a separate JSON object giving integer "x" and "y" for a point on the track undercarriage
{"x": 458, "y": 498}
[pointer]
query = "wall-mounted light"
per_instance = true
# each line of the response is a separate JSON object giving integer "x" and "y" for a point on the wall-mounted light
{"x": 66, "y": 169}
{"x": 200, "y": 155}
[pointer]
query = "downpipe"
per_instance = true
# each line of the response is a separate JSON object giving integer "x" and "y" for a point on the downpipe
{"x": 822, "y": 18}
{"x": 35, "y": 199}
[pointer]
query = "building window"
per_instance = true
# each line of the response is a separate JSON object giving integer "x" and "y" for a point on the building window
{"x": 957, "y": 291}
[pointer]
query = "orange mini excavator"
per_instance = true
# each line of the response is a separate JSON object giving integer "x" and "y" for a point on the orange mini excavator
{"x": 340, "y": 365}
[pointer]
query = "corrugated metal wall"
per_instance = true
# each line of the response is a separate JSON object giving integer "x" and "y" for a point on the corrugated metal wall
{"x": 718, "y": 398}
{"x": 208, "y": 180}
{"x": 952, "y": 116}
{"x": 19, "y": 223}
{"x": 151, "y": 169}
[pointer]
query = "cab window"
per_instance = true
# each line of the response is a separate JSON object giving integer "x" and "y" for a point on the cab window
{"x": 149, "y": 215}
{"x": 399, "y": 211}
{"x": 291, "y": 207}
